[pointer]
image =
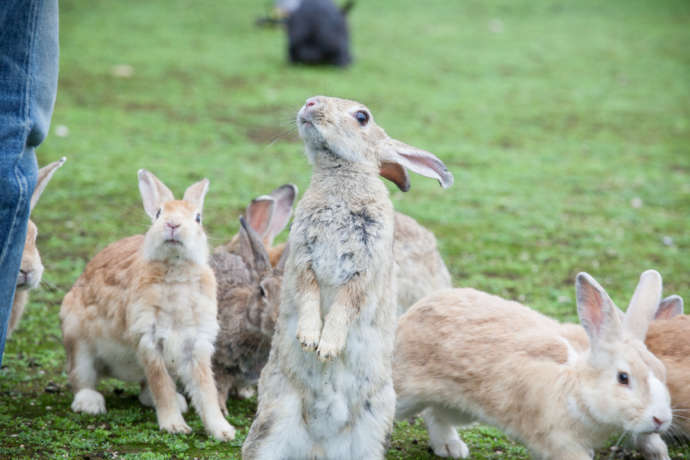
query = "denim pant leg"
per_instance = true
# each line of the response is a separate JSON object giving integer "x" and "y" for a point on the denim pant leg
{"x": 28, "y": 84}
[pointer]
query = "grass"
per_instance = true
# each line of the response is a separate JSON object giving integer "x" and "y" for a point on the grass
{"x": 555, "y": 118}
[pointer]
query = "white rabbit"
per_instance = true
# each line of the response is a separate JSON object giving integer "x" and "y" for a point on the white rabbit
{"x": 464, "y": 355}
{"x": 144, "y": 310}
{"x": 31, "y": 268}
{"x": 327, "y": 390}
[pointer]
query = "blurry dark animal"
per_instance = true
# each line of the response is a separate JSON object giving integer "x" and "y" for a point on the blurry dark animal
{"x": 318, "y": 33}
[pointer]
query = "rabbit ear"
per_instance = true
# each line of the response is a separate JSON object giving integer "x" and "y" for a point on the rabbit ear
{"x": 44, "y": 175}
{"x": 153, "y": 192}
{"x": 644, "y": 304}
{"x": 397, "y": 156}
{"x": 284, "y": 198}
{"x": 598, "y": 314}
{"x": 252, "y": 248}
{"x": 670, "y": 307}
{"x": 259, "y": 213}
{"x": 280, "y": 266}
{"x": 196, "y": 193}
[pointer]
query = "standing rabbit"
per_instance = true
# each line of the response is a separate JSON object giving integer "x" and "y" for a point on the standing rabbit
{"x": 464, "y": 355}
{"x": 668, "y": 338}
{"x": 144, "y": 310}
{"x": 249, "y": 289}
{"x": 249, "y": 293}
{"x": 327, "y": 389}
{"x": 31, "y": 268}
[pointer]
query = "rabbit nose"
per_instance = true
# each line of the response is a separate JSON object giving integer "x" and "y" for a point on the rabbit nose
{"x": 310, "y": 102}
{"x": 658, "y": 422}
{"x": 172, "y": 226}
{"x": 24, "y": 272}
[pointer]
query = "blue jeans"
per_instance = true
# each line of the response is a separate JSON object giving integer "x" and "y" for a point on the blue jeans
{"x": 28, "y": 83}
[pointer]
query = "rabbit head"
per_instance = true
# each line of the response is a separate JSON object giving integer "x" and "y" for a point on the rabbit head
{"x": 669, "y": 340}
{"x": 31, "y": 269}
{"x": 339, "y": 131}
{"x": 176, "y": 233}
{"x": 264, "y": 299}
{"x": 622, "y": 384}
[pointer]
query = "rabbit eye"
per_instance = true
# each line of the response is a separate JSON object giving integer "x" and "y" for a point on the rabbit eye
{"x": 362, "y": 117}
{"x": 623, "y": 378}
{"x": 262, "y": 291}
{"x": 158, "y": 213}
{"x": 198, "y": 218}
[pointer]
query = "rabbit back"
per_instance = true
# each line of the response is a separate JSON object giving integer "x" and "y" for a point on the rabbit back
{"x": 420, "y": 267}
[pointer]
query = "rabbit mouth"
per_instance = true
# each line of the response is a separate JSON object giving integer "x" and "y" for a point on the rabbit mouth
{"x": 173, "y": 242}
{"x": 304, "y": 122}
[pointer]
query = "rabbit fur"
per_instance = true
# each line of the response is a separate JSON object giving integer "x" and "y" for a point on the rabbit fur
{"x": 668, "y": 338}
{"x": 463, "y": 355}
{"x": 249, "y": 294}
{"x": 144, "y": 310}
{"x": 327, "y": 389}
{"x": 31, "y": 268}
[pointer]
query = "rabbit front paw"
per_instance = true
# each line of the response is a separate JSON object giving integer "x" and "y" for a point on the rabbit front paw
{"x": 329, "y": 349}
{"x": 175, "y": 424}
{"x": 652, "y": 447}
{"x": 89, "y": 402}
{"x": 308, "y": 333}
{"x": 221, "y": 430}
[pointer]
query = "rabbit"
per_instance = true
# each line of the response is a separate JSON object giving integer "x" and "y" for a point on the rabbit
{"x": 464, "y": 355}
{"x": 31, "y": 268}
{"x": 144, "y": 310}
{"x": 327, "y": 390}
{"x": 668, "y": 338}
{"x": 318, "y": 34}
{"x": 420, "y": 269}
{"x": 249, "y": 293}
{"x": 249, "y": 290}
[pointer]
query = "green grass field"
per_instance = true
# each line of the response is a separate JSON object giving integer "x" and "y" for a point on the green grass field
{"x": 566, "y": 125}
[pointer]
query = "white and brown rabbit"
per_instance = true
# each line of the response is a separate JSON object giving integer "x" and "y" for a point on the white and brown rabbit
{"x": 249, "y": 293}
{"x": 327, "y": 389}
{"x": 31, "y": 268}
{"x": 144, "y": 310}
{"x": 668, "y": 338}
{"x": 463, "y": 355}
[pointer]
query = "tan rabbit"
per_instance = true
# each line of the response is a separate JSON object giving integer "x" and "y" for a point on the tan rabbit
{"x": 420, "y": 269}
{"x": 464, "y": 355}
{"x": 31, "y": 269}
{"x": 144, "y": 310}
{"x": 249, "y": 293}
{"x": 327, "y": 390}
{"x": 668, "y": 338}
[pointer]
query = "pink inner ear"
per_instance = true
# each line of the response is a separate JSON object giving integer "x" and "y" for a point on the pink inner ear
{"x": 259, "y": 214}
{"x": 395, "y": 173}
{"x": 426, "y": 164}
